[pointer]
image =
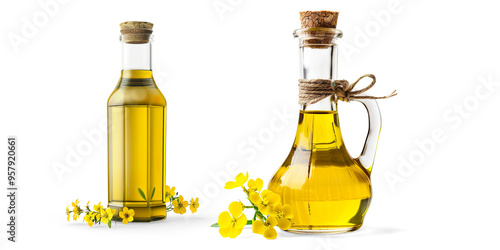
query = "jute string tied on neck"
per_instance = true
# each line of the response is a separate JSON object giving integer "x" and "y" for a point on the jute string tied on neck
{"x": 314, "y": 90}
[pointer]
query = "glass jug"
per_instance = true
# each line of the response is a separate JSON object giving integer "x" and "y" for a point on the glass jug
{"x": 328, "y": 190}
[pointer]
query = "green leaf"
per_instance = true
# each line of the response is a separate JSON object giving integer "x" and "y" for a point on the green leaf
{"x": 109, "y": 223}
{"x": 249, "y": 222}
{"x": 142, "y": 194}
{"x": 153, "y": 193}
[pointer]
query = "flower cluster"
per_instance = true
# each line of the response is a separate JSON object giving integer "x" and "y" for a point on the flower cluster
{"x": 98, "y": 214}
{"x": 177, "y": 202}
{"x": 269, "y": 212}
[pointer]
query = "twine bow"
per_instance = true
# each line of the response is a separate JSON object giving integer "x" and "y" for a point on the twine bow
{"x": 314, "y": 90}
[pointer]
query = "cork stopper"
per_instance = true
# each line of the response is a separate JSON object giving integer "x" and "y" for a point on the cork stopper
{"x": 136, "y": 32}
{"x": 318, "y": 19}
{"x": 319, "y": 27}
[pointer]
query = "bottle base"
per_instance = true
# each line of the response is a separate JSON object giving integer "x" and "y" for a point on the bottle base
{"x": 144, "y": 214}
{"x": 322, "y": 229}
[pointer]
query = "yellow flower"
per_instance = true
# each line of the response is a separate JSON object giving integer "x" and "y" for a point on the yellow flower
{"x": 231, "y": 223}
{"x": 68, "y": 212}
{"x": 265, "y": 200}
{"x": 76, "y": 210}
{"x": 180, "y": 205}
{"x": 107, "y": 215}
{"x": 265, "y": 228}
{"x": 89, "y": 218}
{"x": 283, "y": 214}
{"x": 169, "y": 192}
{"x": 193, "y": 206}
{"x": 255, "y": 186}
{"x": 238, "y": 181}
{"x": 127, "y": 215}
{"x": 98, "y": 207}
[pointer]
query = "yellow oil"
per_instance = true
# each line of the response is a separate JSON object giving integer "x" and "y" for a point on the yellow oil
{"x": 328, "y": 190}
{"x": 136, "y": 146}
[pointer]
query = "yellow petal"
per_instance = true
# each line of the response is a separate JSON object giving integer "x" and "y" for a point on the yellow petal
{"x": 259, "y": 184}
{"x": 263, "y": 209}
{"x": 183, "y": 210}
{"x": 270, "y": 233}
{"x": 122, "y": 215}
{"x": 235, "y": 232}
{"x": 265, "y": 193}
{"x": 255, "y": 198}
{"x": 224, "y": 219}
{"x": 276, "y": 209}
{"x": 273, "y": 199}
{"x": 224, "y": 231}
{"x": 235, "y": 209}
{"x": 256, "y": 184}
{"x": 241, "y": 221}
{"x": 175, "y": 203}
{"x": 176, "y": 210}
{"x": 130, "y": 219}
{"x": 288, "y": 211}
{"x": 258, "y": 227}
{"x": 241, "y": 179}
{"x": 125, "y": 210}
{"x": 230, "y": 185}
{"x": 251, "y": 183}
{"x": 131, "y": 212}
{"x": 125, "y": 221}
{"x": 181, "y": 199}
{"x": 284, "y": 223}
{"x": 272, "y": 221}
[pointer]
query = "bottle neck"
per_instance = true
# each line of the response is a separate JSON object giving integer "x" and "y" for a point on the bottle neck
{"x": 136, "y": 56}
{"x": 319, "y": 63}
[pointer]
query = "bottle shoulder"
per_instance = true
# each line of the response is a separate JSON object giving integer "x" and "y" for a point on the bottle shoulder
{"x": 127, "y": 93}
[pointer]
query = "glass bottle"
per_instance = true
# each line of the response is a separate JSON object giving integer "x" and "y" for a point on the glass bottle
{"x": 328, "y": 190}
{"x": 136, "y": 130}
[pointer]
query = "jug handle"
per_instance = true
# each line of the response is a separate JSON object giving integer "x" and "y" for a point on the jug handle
{"x": 367, "y": 156}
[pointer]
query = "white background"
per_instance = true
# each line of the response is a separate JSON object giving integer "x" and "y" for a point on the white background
{"x": 226, "y": 75}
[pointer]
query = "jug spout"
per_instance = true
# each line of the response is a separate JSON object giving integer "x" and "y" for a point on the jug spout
{"x": 367, "y": 156}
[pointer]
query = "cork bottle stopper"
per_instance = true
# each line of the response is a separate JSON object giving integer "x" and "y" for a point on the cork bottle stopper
{"x": 318, "y": 19}
{"x": 318, "y": 25}
{"x": 136, "y": 32}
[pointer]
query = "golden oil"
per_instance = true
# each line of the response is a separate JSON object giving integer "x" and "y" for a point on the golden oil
{"x": 136, "y": 144}
{"x": 327, "y": 189}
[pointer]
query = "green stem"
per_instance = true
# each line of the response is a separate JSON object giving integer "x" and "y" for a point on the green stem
{"x": 245, "y": 190}
{"x": 257, "y": 212}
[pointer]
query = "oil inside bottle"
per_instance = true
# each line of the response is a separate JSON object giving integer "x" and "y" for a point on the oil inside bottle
{"x": 327, "y": 189}
{"x": 136, "y": 139}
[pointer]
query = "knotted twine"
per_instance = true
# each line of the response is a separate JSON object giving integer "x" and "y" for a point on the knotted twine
{"x": 314, "y": 90}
